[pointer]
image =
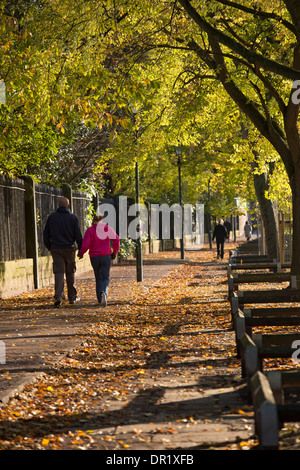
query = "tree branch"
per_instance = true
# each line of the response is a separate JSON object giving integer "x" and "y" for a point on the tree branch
{"x": 248, "y": 107}
{"x": 293, "y": 9}
{"x": 268, "y": 85}
{"x": 264, "y": 15}
{"x": 292, "y": 110}
{"x": 238, "y": 48}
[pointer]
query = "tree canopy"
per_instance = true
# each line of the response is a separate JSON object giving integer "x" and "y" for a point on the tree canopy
{"x": 93, "y": 85}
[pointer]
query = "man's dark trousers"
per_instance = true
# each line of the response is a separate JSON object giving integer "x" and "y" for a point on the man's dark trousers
{"x": 220, "y": 248}
{"x": 64, "y": 263}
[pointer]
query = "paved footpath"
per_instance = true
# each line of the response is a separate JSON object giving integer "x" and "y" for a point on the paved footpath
{"x": 208, "y": 411}
{"x": 33, "y": 330}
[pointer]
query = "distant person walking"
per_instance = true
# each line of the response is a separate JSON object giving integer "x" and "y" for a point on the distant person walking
{"x": 61, "y": 234}
{"x": 247, "y": 230}
{"x": 220, "y": 234}
{"x": 103, "y": 244}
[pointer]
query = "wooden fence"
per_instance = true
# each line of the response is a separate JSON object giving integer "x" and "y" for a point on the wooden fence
{"x": 24, "y": 209}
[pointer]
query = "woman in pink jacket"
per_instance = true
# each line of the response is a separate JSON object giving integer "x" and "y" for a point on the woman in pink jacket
{"x": 103, "y": 244}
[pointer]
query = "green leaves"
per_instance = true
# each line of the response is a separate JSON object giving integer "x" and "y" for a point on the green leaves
{"x": 89, "y": 64}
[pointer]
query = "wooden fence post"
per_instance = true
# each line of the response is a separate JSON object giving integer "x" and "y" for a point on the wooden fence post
{"x": 31, "y": 227}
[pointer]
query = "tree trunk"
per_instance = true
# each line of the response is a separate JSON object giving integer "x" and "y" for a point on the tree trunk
{"x": 295, "y": 184}
{"x": 261, "y": 185}
{"x": 268, "y": 216}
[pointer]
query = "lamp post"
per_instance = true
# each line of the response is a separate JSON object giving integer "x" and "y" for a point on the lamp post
{"x": 179, "y": 152}
{"x": 139, "y": 260}
{"x": 209, "y": 218}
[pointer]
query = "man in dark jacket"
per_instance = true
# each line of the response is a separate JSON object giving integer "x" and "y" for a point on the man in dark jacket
{"x": 220, "y": 234}
{"x": 60, "y": 234}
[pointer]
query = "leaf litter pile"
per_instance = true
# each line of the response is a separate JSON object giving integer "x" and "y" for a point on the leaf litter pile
{"x": 155, "y": 369}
